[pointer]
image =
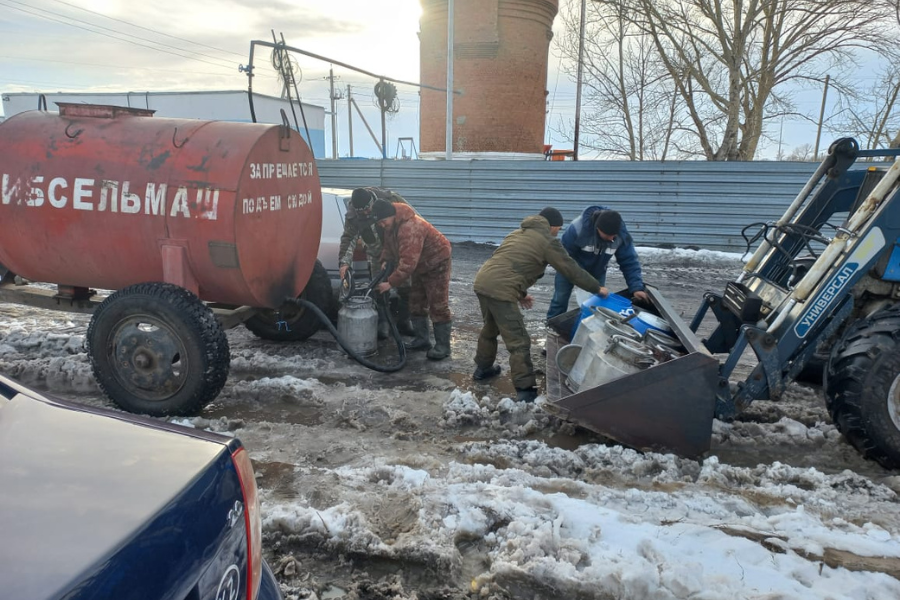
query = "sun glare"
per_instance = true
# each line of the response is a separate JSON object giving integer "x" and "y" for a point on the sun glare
{"x": 104, "y": 7}
{"x": 389, "y": 43}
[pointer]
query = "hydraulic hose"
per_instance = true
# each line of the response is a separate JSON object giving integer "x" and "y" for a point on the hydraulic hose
{"x": 401, "y": 349}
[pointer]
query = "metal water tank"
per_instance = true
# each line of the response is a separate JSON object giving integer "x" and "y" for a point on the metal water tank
{"x": 106, "y": 197}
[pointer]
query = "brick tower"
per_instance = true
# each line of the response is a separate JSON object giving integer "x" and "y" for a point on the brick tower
{"x": 500, "y": 65}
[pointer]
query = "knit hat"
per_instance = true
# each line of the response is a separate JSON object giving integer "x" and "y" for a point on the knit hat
{"x": 553, "y": 216}
{"x": 362, "y": 197}
{"x": 607, "y": 221}
{"x": 382, "y": 209}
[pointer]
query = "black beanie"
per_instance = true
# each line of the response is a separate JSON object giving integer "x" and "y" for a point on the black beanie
{"x": 382, "y": 209}
{"x": 362, "y": 197}
{"x": 607, "y": 221}
{"x": 553, "y": 216}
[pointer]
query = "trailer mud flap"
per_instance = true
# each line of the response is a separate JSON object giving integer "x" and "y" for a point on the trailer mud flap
{"x": 666, "y": 408}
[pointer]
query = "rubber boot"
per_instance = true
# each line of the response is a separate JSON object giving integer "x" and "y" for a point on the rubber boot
{"x": 526, "y": 394}
{"x": 441, "y": 348}
{"x": 420, "y": 331}
{"x": 402, "y": 316}
{"x": 488, "y": 373}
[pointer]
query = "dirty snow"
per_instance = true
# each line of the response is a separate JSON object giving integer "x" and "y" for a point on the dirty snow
{"x": 422, "y": 484}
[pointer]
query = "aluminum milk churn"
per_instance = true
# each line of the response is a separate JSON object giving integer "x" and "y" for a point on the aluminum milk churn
{"x": 358, "y": 325}
{"x": 596, "y": 341}
{"x": 621, "y": 356}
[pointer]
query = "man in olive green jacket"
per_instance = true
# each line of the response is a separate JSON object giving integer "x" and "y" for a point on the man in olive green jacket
{"x": 502, "y": 287}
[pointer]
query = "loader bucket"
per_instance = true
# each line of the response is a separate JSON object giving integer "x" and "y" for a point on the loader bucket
{"x": 666, "y": 408}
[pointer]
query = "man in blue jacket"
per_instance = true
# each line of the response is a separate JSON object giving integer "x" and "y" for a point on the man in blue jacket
{"x": 592, "y": 239}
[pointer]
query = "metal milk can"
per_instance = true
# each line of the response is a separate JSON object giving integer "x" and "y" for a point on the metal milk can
{"x": 621, "y": 356}
{"x": 664, "y": 346}
{"x": 358, "y": 325}
{"x": 600, "y": 314}
{"x": 595, "y": 341}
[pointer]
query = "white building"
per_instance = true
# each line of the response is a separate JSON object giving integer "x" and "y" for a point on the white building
{"x": 209, "y": 106}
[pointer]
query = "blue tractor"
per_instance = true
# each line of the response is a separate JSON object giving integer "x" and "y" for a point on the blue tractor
{"x": 823, "y": 287}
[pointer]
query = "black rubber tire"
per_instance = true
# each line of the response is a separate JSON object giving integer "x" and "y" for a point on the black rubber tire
{"x": 301, "y": 322}
{"x": 156, "y": 349}
{"x": 862, "y": 386}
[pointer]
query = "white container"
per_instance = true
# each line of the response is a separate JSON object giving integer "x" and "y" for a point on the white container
{"x": 665, "y": 347}
{"x": 654, "y": 336}
{"x": 598, "y": 314}
{"x": 596, "y": 339}
{"x": 621, "y": 357}
{"x": 652, "y": 321}
{"x": 358, "y": 325}
{"x": 566, "y": 357}
{"x": 598, "y": 320}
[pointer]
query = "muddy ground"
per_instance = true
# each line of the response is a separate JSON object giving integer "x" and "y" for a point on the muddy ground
{"x": 305, "y": 410}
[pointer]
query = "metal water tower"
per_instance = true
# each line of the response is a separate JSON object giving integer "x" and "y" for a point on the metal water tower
{"x": 499, "y": 64}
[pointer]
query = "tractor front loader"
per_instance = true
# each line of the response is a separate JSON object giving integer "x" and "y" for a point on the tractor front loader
{"x": 823, "y": 284}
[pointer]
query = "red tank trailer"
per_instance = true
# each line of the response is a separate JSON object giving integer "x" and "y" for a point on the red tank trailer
{"x": 185, "y": 220}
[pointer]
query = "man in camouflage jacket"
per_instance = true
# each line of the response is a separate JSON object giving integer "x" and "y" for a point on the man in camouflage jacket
{"x": 502, "y": 287}
{"x": 359, "y": 225}
{"x": 422, "y": 256}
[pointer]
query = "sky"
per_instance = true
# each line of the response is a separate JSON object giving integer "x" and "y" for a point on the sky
{"x": 117, "y": 46}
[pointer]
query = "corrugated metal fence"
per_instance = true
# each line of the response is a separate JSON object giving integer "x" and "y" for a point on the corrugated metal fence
{"x": 684, "y": 204}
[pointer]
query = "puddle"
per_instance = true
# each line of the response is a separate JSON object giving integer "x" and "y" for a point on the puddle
{"x": 283, "y": 410}
{"x": 498, "y": 387}
{"x": 564, "y": 441}
{"x": 278, "y": 477}
{"x": 333, "y": 592}
{"x": 824, "y": 459}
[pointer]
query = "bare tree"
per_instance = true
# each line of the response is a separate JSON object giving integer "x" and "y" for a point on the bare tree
{"x": 872, "y": 116}
{"x": 628, "y": 114}
{"x": 731, "y": 64}
{"x": 802, "y": 153}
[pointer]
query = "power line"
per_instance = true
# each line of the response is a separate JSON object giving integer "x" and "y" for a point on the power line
{"x": 174, "y": 37}
{"x": 130, "y": 41}
{"x": 105, "y": 66}
{"x": 32, "y": 82}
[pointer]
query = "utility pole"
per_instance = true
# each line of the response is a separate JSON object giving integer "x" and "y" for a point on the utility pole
{"x": 449, "y": 133}
{"x": 780, "y": 156}
{"x": 350, "y": 117}
{"x": 381, "y": 104}
{"x": 821, "y": 118}
{"x": 580, "y": 71}
{"x": 333, "y": 97}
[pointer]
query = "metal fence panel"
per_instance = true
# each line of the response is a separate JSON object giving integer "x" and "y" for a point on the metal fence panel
{"x": 682, "y": 204}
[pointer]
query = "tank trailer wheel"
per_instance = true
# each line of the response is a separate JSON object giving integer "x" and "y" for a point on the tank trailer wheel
{"x": 862, "y": 386}
{"x": 156, "y": 349}
{"x": 297, "y": 323}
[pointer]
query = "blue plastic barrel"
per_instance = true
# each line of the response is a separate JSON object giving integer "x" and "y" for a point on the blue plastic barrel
{"x": 645, "y": 320}
{"x": 615, "y": 302}
{"x": 641, "y": 326}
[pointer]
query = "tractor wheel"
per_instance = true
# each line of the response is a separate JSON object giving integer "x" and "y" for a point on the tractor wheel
{"x": 295, "y": 323}
{"x": 862, "y": 386}
{"x": 156, "y": 349}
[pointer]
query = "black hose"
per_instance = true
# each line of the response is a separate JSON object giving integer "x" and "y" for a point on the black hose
{"x": 401, "y": 349}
